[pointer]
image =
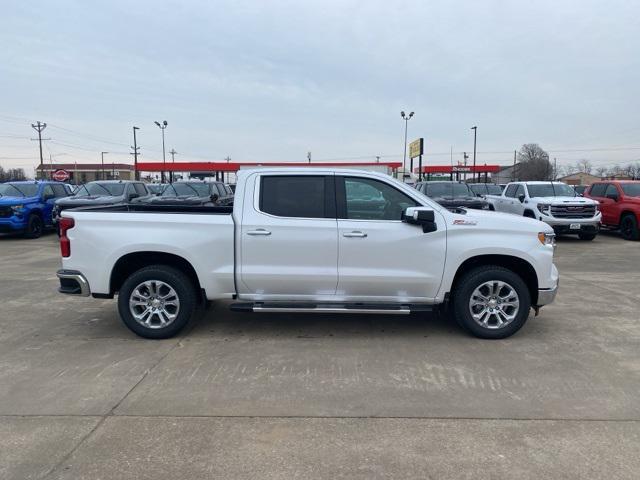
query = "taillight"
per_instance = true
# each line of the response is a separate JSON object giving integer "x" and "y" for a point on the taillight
{"x": 65, "y": 244}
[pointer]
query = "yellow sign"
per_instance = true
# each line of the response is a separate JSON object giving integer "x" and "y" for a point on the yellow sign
{"x": 416, "y": 148}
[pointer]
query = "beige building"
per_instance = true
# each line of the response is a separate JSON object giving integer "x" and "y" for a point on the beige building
{"x": 88, "y": 172}
{"x": 579, "y": 178}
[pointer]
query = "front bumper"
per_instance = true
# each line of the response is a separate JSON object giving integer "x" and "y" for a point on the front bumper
{"x": 12, "y": 224}
{"x": 546, "y": 296}
{"x": 73, "y": 282}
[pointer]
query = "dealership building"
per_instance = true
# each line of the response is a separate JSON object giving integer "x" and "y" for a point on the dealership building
{"x": 86, "y": 172}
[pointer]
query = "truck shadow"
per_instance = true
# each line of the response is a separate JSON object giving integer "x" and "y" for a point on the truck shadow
{"x": 218, "y": 321}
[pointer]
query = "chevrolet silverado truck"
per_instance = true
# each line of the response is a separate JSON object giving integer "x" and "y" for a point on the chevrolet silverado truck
{"x": 554, "y": 203}
{"x": 310, "y": 240}
{"x": 620, "y": 205}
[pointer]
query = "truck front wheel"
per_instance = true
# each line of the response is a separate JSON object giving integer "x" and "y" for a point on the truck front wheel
{"x": 34, "y": 226}
{"x": 491, "y": 302}
{"x": 629, "y": 227}
{"x": 157, "y": 301}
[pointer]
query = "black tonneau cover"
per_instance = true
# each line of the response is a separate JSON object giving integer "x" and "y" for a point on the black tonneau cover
{"x": 151, "y": 208}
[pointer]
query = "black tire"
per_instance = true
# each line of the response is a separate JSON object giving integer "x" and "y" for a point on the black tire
{"x": 586, "y": 236}
{"x": 629, "y": 227}
{"x": 175, "y": 279}
{"x": 35, "y": 226}
{"x": 473, "y": 279}
{"x": 529, "y": 214}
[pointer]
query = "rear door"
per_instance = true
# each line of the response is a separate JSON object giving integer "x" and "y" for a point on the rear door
{"x": 380, "y": 257}
{"x": 289, "y": 245}
{"x": 506, "y": 203}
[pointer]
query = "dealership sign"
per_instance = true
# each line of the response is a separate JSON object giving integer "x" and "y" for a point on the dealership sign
{"x": 60, "y": 175}
{"x": 416, "y": 148}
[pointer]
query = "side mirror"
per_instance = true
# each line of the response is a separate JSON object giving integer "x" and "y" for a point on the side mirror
{"x": 612, "y": 196}
{"x": 521, "y": 197}
{"x": 421, "y": 216}
{"x": 214, "y": 198}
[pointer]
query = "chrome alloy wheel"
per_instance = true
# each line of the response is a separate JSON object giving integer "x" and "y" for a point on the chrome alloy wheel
{"x": 154, "y": 304}
{"x": 494, "y": 304}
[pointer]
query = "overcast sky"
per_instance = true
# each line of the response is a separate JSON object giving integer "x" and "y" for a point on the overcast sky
{"x": 269, "y": 80}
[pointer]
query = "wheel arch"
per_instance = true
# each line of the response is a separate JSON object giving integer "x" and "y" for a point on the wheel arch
{"x": 626, "y": 212}
{"x": 132, "y": 262}
{"x": 517, "y": 265}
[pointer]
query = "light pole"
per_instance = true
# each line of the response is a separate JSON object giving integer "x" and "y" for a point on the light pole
{"x": 475, "y": 134}
{"x": 162, "y": 126}
{"x": 135, "y": 155}
{"x": 102, "y": 156}
{"x": 406, "y": 119}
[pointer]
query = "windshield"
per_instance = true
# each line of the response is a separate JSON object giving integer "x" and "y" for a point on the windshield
{"x": 101, "y": 189}
{"x": 446, "y": 190}
{"x": 187, "y": 189}
{"x": 18, "y": 190}
{"x": 550, "y": 190}
{"x": 631, "y": 189}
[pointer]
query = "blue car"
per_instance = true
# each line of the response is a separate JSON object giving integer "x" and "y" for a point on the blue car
{"x": 26, "y": 206}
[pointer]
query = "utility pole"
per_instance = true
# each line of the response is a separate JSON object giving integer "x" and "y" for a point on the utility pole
{"x": 162, "y": 126}
{"x": 406, "y": 119}
{"x": 173, "y": 160}
{"x": 377, "y": 158}
{"x": 555, "y": 168}
{"x": 135, "y": 155}
{"x": 102, "y": 156}
{"x": 475, "y": 135}
{"x": 465, "y": 157}
{"x": 309, "y": 156}
{"x": 514, "y": 165}
{"x": 228, "y": 159}
{"x": 39, "y": 127}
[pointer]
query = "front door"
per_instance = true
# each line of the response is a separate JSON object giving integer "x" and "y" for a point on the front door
{"x": 380, "y": 257}
{"x": 288, "y": 238}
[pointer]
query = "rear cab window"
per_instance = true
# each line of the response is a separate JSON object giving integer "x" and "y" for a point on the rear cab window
{"x": 297, "y": 196}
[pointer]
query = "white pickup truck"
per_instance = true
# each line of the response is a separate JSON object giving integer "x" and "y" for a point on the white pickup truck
{"x": 554, "y": 203}
{"x": 310, "y": 240}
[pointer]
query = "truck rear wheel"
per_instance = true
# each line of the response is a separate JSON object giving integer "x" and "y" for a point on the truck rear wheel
{"x": 491, "y": 302}
{"x": 157, "y": 301}
{"x": 629, "y": 227}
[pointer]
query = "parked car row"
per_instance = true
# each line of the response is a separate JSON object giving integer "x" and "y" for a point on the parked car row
{"x": 567, "y": 209}
{"x": 32, "y": 207}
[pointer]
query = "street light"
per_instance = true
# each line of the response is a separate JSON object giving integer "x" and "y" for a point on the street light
{"x": 475, "y": 133}
{"x": 162, "y": 126}
{"x": 406, "y": 119}
{"x": 102, "y": 156}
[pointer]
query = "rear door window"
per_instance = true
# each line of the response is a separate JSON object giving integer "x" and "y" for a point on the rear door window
{"x": 611, "y": 190}
{"x": 140, "y": 189}
{"x": 302, "y": 196}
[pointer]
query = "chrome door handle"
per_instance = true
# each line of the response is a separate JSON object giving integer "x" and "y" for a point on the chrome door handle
{"x": 259, "y": 231}
{"x": 355, "y": 234}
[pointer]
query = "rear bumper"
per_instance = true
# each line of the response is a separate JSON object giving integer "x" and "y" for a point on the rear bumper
{"x": 73, "y": 282}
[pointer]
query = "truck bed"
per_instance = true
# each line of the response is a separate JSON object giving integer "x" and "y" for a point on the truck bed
{"x": 151, "y": 208}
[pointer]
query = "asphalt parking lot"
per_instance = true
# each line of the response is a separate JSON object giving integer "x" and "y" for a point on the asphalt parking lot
{"x": 294, "y": 396}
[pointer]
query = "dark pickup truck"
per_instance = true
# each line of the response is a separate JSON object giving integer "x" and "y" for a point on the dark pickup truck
{"x": 452, "y": 195}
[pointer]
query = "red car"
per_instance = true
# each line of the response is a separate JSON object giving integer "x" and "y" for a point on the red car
{"x": 620, "y": 205}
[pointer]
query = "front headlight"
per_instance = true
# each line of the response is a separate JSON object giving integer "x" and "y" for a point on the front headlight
{"x": 18, "y": 209}
{"x": 547, "y": 238}
{"x": 544, "y": 208}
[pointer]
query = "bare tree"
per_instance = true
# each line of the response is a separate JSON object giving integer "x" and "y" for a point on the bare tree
{"x": 12, "y": 174}
{"x": 534, "y": 163}
{"x": 567, "y": 170}
{"x": 584, "y": 166}
{"x": 601, "y": 171}
{"x": 633, "y": 170}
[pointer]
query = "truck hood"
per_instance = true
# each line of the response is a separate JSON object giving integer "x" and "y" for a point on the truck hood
{"x": 88, "y": 200}
{"x": 499, "y": 221}
{"x": 563, "y": 200}
{"x": 8, "y": 201}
